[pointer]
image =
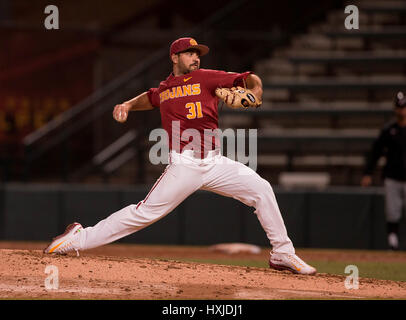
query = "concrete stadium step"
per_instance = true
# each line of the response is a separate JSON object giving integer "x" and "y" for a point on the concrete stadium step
{"x": 381, "y": 6}
{"x": 282, "y": 66}
{"x": 312, "y": 145}
{"x": 376, "y": 32}
{"x": 337, "y": 69}
{"x": 346, "y": 83}
{"x": 304, "y": 179}
{"x": 311, "y": 141}
{"x": 323, "y": 96}
{"x": 326, "y": 122}
{"x": 379, "y": 53}
{"x": 339, "y": 175}
{"x": 330, "y": 106}
{"x": 296, "y": 115}
{"x": 322, "y": 42}
{"x": 310, "y": 160}
{"x": 338, "y": 38}
{"x": 371, "y": 88}
{"x": 368, "y": 16}
{"x": 316, "y": 107}
{"x": 368, "y": 57}
{"x": 312, "y": 41}
{"x": 313, "y": 63}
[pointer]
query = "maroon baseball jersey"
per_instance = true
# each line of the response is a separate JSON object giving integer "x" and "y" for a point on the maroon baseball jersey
{"x": 188, "y": 106}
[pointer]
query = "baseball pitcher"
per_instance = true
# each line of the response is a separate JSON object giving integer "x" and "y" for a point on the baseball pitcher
{"x": 189, "y": 98}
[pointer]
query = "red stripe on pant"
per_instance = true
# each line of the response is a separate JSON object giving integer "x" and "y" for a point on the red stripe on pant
{"x": 153, "y": 187}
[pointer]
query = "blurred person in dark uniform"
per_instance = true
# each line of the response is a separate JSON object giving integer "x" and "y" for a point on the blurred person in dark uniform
{"x": 391, "y": 144}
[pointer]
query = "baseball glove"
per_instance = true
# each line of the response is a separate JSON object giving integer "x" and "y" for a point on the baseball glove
{"x": 238, "y": 97}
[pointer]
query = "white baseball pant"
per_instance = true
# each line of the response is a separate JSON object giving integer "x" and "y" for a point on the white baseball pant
{"x": 395, "y": 199}
{"x": 183, "y": 176}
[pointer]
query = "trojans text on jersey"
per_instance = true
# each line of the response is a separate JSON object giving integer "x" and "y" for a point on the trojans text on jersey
{"x": 180, "y": 91}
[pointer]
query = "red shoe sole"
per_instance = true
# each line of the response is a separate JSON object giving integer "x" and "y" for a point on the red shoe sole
{"x": 283, "y": 268}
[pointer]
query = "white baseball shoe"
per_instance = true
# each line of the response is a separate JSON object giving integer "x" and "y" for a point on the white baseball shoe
{"x": 291, "y": 262}
{"x": 393, "y": 241}
{"x": 66, "y": 242}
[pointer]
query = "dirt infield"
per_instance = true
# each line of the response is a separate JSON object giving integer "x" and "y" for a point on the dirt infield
{"x": 151, "y": 272}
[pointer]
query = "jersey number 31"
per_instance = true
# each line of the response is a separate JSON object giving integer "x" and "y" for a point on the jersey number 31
{"x": 195, "y": 110}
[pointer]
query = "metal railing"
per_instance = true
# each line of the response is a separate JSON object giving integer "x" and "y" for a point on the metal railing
{"x": 107, "y": 159}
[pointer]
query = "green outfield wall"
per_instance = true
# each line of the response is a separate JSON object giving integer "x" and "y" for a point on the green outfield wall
{"x": 351, "y": 218}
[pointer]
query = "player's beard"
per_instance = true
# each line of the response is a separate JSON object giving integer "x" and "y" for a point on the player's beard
{"x": 186, "y": 69}
{"x": 194, "y": 66}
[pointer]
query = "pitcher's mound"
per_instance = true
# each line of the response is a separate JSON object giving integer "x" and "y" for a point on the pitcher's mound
{"x": 23, "y": 276}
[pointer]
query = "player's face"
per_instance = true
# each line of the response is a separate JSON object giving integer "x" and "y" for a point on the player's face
{"x": 189, "y": 61}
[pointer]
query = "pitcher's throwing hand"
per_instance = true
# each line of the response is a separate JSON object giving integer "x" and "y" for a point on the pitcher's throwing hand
{"x": 120, "y": 112}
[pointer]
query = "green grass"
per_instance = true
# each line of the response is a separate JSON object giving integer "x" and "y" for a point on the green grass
{"x": 395, "y": 271}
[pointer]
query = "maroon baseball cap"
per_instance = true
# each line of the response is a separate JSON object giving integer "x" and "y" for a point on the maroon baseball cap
{"x": 183, "y": 44}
